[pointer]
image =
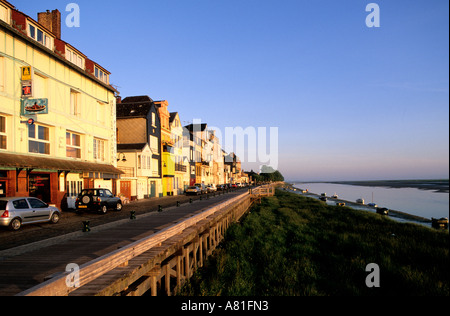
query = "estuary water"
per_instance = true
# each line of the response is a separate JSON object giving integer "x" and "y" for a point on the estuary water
{"x": 424, "y": 203}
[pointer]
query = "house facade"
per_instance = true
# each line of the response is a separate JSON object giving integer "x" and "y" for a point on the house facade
{"x": 181, "y": 181}
{"x": 168, "y": 158}
{"x": 139, "y": 148}
{"x": 57, "y": 112}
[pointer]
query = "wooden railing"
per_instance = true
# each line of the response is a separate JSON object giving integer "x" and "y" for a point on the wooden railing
{"x": 263, "y": 191}
{"x": 97, "y": 268}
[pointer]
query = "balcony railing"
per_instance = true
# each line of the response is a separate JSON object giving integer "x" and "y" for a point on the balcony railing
{"x": 180, "y": 168}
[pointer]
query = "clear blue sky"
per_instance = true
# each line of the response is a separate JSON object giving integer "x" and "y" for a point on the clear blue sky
{"x": 350, "y": 102}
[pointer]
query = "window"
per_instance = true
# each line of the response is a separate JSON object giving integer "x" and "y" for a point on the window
{"x": 2, "y": 74}
{"x": 74, "y": 103}
{"x": 101, "y": 112}
{"x": 154, "y": 144}
{"x": 40, "y": 36}
{"x": 74, "y": 58}
{"x": 38, "y": 139}
{"x": 20, "y": 205}
{"x": 73, "y": 188}
{"x": 40, "y": 86}
{"x": 99, "y": 149}
{"x": 3, "y": 139}
{"x": 35, "y": 203}
{"x": 101, "y": 75}
{"x": 73, "y": 145}
{"x": 4, "y": 13}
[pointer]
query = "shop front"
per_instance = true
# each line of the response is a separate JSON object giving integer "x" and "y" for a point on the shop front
{"x": 55, "y": 181}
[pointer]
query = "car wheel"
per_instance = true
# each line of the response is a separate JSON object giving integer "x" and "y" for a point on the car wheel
{"x": 104, "y": 209}
{"x": 55, "y": 218}
{"x": 15, "y": 224}
{"x": 119, "y": 206}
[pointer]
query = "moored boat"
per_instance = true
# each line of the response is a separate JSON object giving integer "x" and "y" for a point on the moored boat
{"x": 360, "y": 201}
{"x": 382, "y": 211}
{"x": 439, "y": 223}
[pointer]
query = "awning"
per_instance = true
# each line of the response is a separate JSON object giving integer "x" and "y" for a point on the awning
{"x": 35, "y": 162}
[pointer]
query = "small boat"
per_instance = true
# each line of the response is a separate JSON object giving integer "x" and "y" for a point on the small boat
{"x": 383, "y": 211}
{"x": 340, "y": 204}
{"x": 323, "y": 194}
{"x": 440, "y": 223}
{"x": 35, "y": 108}
{"x": 335, "y": 196}
{"x": 323, "y": 198}
{"x": 360, "y": 201}
{"x": 372, "y": 205}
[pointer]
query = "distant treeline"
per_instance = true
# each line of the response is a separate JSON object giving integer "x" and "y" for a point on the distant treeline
{"x": 267, "y": 174}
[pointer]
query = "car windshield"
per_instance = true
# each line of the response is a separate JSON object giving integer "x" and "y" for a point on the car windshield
{"x": 192, "y": 187}
{"x": 3, "y": 205}
{"x": 88, "y": 192}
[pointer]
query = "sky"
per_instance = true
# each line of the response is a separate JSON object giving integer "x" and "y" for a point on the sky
{"x": 348, "y": 102}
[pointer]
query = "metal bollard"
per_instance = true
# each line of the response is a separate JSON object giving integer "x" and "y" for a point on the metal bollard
{"x": 191, "y": 201}
{"x": 132, "y": 215}
{"x": 86, "y": 227}
{"x": 178, "y": 203}
{"x": 160, "y": 208}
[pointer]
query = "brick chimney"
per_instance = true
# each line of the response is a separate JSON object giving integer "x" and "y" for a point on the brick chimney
{"x": 52, "y": 21}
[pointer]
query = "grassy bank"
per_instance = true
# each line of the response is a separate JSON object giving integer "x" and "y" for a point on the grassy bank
{"x": 291, "y": 245}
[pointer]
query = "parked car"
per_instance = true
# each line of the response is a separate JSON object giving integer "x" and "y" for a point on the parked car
{"x": 221, "y": 187}
{"x": 211, "y": 188}
{"x": 18, "y": 211}
{"x": 202, "y": 187}
{"x": 193, "y": 190}
{"x": 100, "y": 200}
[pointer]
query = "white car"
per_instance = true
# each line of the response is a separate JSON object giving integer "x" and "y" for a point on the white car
{"x": 18, "y": 211}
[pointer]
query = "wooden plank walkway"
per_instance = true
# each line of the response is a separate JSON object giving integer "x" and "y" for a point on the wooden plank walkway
{"x": 20, "y": 273}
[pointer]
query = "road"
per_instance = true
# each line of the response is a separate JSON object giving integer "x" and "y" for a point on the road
{"x": 27, "y": 265}
{"x": 73, "y": 222}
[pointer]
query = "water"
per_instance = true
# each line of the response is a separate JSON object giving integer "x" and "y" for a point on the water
{"x": 424, "y": 203}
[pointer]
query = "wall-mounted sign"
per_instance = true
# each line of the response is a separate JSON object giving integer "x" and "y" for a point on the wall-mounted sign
{"x": 27, "y": 73}
{"x": 27, "y": 89}
{"x": 34, "y": 106}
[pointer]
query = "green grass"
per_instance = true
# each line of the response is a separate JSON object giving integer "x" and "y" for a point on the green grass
{"x": 295, "y": 246}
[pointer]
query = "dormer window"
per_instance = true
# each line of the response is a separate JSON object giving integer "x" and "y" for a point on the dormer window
{"x": 40, "y": 36}
{"x": 101, "y": 75}
{"x": 4, "y": 14}
{"x": 74, "y": 58}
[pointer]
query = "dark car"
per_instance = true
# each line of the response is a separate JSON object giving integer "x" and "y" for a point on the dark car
{"x": 100, "y": 200}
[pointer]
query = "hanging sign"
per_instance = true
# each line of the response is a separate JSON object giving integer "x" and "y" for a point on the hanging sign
{"x": 27, "y": 73}
{"x": 27, "y": 89}
{"x": 34, "y": 106}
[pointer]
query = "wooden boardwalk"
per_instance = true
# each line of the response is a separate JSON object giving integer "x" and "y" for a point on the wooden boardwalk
{"x": 157, "y": 252}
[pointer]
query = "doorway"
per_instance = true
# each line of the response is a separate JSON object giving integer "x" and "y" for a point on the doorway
{"x": 39, "y": 187}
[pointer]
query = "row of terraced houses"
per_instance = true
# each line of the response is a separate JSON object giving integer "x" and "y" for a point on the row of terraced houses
{"x": 64, "y": 127}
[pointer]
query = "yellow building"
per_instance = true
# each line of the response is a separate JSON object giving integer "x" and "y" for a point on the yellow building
{"x": 57, "y": 112}
{"x": 168, "y": 160}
